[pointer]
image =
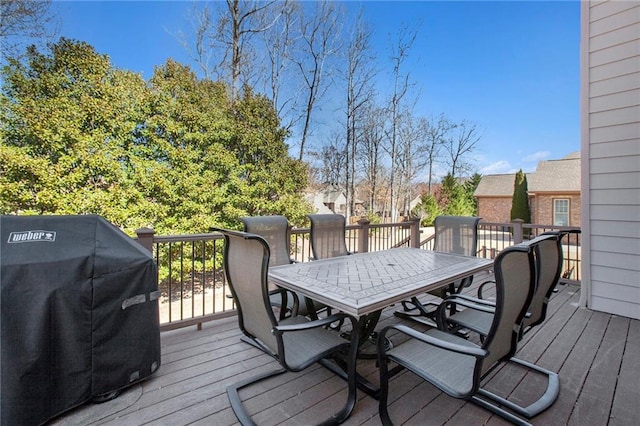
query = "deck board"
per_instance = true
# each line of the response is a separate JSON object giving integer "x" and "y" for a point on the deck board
{"x": 596, "y": 396}
{"x": 597, "y": 356}
{"x": 625, "y": 410}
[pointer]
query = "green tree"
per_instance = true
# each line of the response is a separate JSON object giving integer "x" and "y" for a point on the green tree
{"x": 470, "y": 188}
{"x": 520, "y": 203}
{"x": 78, "y": 136}
{"x": 67, "y": 119}
{"x": 427, "y": 210}
{"x": 276, "y": 181}
{"x": 455, "y": 198}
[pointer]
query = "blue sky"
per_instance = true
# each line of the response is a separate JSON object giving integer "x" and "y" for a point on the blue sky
{"x": 510, "y": 67}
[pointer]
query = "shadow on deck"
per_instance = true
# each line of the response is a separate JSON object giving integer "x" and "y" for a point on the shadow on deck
{"x": 597, "y": 356}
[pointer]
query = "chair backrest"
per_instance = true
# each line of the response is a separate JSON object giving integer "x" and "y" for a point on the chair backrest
{"x": 456, "y": 234}
{"x": 274, "y": 229}
{"x": 548, "y": 258}
{"x": 246, "y": 265}
{"x": 514, "y": 269}
{"x": 328, "y": 235}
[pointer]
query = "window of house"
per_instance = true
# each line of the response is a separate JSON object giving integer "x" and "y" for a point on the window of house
{"x": 561, "y": 212}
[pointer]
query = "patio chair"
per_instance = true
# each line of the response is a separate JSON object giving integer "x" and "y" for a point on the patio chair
{"x": 328, "y": 236}
{"x": 453, "y": 234}
{"x": 296, "y": 342}
{"x": 478, "y": 313}
{"x": 457, "y": 366}
{"x": 277, "y": 232}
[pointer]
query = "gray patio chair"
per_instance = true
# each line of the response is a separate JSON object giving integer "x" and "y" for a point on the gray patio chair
{"x": 453, "y": 234}
{"x": 328, "y": 240}
{"x": 277, "y": 232}
{"x": 477, "y": 314}
{"x": 296, "y": 342}
{"x": 328, "y": 236}
{"x": 457, "y": 366}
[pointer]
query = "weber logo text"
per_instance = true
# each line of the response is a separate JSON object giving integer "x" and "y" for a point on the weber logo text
{"x": 32, "y": 236}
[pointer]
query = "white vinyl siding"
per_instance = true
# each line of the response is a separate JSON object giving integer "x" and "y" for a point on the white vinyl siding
{"x": 611, "y": 153}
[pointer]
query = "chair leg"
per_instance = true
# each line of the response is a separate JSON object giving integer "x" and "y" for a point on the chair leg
{"x": 350, "y": 376}
{"x": 499, "y": 411}
{"x": 383, "y": 394}
{"x": 421, "y": 315}
{"x": 541, "y": 404}
{"x": 352, "y": 358}
{"x": 234, "y": 396}
{"x": 257, "y": 345}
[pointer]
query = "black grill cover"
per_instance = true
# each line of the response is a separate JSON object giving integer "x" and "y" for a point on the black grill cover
{"x": 79, "y": 314}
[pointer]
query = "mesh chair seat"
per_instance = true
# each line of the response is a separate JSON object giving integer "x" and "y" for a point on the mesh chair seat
{"x": 303, "y": 348}
{"x": 452, "y": 371}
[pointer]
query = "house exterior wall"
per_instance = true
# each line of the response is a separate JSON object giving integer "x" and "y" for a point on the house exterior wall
{"x": 494, "y": 209}
{"x": 610, "y": 104}
{"x": 498, "y": 209}
{"x": 542, "y": 208}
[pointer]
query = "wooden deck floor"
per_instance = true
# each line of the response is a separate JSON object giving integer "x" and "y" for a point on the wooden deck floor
{"x": 597, "y": 356}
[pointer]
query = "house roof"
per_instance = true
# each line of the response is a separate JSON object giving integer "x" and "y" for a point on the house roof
{"x": 496, "y": 186}
{"x": 550, "y": 176}
{"x": 556, "y": 176}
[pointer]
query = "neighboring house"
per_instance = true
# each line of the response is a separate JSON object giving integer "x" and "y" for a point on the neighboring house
{"x": 554, "y": 194}
{"x": 610, "y": 111}
{"x": 328, "y": 200}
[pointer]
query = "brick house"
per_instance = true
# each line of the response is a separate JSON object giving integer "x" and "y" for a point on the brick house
{"x": 554, "y": 193}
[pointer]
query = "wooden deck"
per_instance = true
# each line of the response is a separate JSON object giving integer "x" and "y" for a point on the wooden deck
{"x": 597, "y": 356}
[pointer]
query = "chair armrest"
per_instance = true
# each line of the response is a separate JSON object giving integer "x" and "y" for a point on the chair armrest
{"x": 481, "y": 286}
{"x": 315, "y": 324}
{"x": 472, "y": 299}
{"x": 477, "y": 304}
{"x": 284, "y": 305}
{"x": 475, "y": 351}
{"x": 460, "y": 300}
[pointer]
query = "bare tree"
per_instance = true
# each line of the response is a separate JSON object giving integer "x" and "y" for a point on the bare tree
{"x": 359, "y": 76}
{"x": 278, "y": 44}
{"x": 370, "y": 153}
{"x": 436, "y": 137}
{"x": 320, "y": 36}
{"x": 235, "y": 30}
{"x": 333, "y": 160}
{"x": 460, "y": 144}
{"x": 399, "y": 53}
{"x": 204, "y": 41}
{"x": 411, "y": 155}
{"x": 230, "y": 32}
{"x": 24, "y": 22}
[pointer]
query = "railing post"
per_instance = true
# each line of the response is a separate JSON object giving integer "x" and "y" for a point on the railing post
{"x": 145, "y": 238}
{"x": 363, "y": 235}
{"x": 414, "y": 234}
{"x": 517, "y": 231}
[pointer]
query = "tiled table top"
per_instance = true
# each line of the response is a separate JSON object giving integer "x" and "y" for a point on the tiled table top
{"x": 363, "y": 283}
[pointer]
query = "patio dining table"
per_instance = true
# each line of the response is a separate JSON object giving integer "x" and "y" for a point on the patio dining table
{"x": 363, "y": 284}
